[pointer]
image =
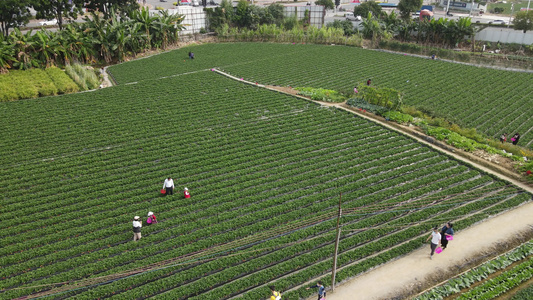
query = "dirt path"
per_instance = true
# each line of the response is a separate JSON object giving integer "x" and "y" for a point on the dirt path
{"x": 415, "y": 272}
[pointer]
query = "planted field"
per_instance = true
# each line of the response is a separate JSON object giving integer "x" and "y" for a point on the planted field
{"x": 492, "y": 101}
{"x": 265, "y": 171}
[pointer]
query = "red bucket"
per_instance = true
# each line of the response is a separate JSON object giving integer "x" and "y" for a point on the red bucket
{"x": 163, "y": 191}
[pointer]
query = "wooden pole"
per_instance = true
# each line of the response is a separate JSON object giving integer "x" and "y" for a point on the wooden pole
{"x": 336, "y": 246}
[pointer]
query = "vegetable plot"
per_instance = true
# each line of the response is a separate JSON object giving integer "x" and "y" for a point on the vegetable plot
{"x": 265, "y": 171}
{"x": 492, "y": 101}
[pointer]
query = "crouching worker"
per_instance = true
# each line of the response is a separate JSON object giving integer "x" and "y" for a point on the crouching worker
{"x": 151, "y": 218}
{"x": 137, "y": 228}
{"x": 275, "y": 295}
{"x": 186, "y": 193}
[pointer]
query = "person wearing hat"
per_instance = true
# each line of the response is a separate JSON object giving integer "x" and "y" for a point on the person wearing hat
{"x": 186, "y": 193}
{"x": 151, "y": 218}
{"x": 137, "y": 228}
{"x": 168, "y": 185}
{"x": 435, "y": 240}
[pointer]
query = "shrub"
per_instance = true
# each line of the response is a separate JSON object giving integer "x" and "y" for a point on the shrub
{"x": 398, "y": 117}
{"x": 45, "y": 86}
{"x": 62, "y": 81}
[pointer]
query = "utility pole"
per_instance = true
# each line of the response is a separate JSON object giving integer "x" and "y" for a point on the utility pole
{"x": 336, "y": 246}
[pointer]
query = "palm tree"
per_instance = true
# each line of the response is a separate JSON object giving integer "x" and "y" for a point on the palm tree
{"x": 143, "y": 17}
{"x": 23, "y": 44}
{"x": 7, "y": 57}
{"x": 97, "y": 28}
{"x": 77, "y": 45}
{"x": 168, "y": 27}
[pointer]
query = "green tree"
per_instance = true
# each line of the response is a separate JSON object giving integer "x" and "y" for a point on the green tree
{"x": 523, "y": 20}
{"x": 122, "y": 7}
{"x": 58, "y": 9}
{"x": 246, "y": 15}
{"x": 345, "y": 25}
{"x": 364, "y": 8}
{"x": 407, "y": 7}
{"x": 13, "y": 14}
{"x": 276, "y": 11}
{"x": 328, "y": 4}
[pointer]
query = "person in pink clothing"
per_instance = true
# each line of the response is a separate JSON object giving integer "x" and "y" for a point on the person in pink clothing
{"x": 186, "y": 193}
{"x": 151, "y": 218}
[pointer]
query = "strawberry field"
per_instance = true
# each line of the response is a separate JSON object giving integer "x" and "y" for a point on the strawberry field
{"x": 493, "y": 101}
{"x": 265, "y": 170}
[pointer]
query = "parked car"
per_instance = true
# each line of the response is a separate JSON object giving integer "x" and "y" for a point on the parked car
{"x": 498, "y": 22}
{"x": 350, "y": 17}
{"x": 48, "y": 22}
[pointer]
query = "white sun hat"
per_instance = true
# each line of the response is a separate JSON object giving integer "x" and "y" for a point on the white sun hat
{"x": 186, "y": 189}
{"x": 136, "y": 218}
{"x": 150, "y": 213}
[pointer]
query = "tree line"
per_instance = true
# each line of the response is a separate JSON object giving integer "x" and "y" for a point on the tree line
{"x": 101, "y": 37}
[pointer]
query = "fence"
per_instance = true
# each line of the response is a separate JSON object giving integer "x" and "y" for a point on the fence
{"x": 316, "y": 13}
{"x": 196, "y": 18}
{"x": 505, "y": 35}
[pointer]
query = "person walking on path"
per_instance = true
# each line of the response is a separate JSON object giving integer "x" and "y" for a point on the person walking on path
{"x": 168, "y": 185}
{"x": 186, "y": 193}
{"x": 151, "y": 218}
{"x": 369, "y": 82}
{"x": 515, "y": 138}
{"x": 446, "y": 231}
{"x": 137, "y": 228}
{"x": 435, "y": 240}
{"x": 321, "y": 290}
{"x": 275, "y": 295}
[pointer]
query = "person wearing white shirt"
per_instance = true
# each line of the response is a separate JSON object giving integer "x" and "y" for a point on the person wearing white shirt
{"x": 137, "y": 228}
{"x": 168, "y": 185}
{"x": 435, "y": 240}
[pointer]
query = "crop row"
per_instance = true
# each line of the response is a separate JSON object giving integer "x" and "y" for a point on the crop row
{"x": 256, "y": 162}
{"x": 455, "y": 96}
{"x": 480, "y": 273}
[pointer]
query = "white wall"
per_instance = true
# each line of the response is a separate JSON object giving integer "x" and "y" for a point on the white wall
{"x": 505, "y": 35}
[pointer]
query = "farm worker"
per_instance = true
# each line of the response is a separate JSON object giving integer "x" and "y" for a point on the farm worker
{"x": 321, "y": 290}
{"x": 137, "y": 228}
{"x": 191, "y": 55}
{"x": 168, "y": 185}
{"x": 368, "y": 82}
{"x": 151, "y": 218}
{"x": 435, "y": 240}
{"x": 186, "y": 193}
{"x": 515, "y": 138}
{"x": 503, "y": 138}
{"x": 355, "y": 91}
{"x": 275, "y": 295}
{"x": 447, "y": 230}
